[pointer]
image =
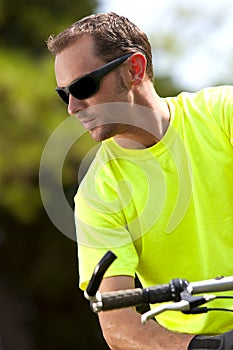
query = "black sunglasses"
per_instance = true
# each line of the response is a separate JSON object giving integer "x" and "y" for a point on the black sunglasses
{"x": 89, "y": 84}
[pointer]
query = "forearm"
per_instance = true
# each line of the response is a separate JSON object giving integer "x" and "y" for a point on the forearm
{"x": 123, "y": 330}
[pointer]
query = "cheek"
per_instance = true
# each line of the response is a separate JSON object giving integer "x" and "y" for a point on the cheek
{"x": 112, "y": 89}
{"x": 105, "y": 94}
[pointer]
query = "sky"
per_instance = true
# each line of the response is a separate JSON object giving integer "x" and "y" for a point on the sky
{"x": 203, "y": 51}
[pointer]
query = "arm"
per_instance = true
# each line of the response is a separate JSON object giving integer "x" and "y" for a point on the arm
{"x": 123, "y": 330}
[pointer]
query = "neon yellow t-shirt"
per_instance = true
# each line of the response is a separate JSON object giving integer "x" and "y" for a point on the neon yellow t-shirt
{"x": 166, "y": 211}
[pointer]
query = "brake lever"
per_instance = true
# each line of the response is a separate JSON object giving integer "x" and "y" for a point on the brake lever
{"x": 183, "y": 305}
{"x": 97, "y": 276}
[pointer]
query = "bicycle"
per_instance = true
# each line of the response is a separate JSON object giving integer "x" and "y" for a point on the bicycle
{"x": 179, "y": 291}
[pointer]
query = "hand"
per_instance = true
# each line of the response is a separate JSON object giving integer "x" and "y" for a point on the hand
{"x": 219, "y": 342}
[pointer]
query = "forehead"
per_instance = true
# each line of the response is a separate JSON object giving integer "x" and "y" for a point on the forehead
{"x": 75, "y": 61}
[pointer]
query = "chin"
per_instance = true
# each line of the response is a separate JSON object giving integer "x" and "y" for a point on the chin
{"x": 101, "y": 133}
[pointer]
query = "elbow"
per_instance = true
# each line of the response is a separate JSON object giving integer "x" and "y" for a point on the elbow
{"x": 112, "y": 339}
{"x": 113, "y": 335}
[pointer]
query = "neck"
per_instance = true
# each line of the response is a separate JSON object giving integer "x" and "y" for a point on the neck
{"x": 139, "y": 139}
{"x": 148, "y": 125}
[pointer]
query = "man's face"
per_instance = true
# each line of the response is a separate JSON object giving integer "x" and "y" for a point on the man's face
{"x": 78, "y": 60}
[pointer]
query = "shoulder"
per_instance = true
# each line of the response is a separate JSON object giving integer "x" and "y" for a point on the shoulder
{"x": 210, "y": 107}
{"x": 211, "y": 101}
{"x": 210, "y": 95}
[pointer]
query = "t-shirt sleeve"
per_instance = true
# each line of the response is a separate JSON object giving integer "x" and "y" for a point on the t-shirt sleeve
{"x": 100, "y": 226}
{"x": 88, "y": 257}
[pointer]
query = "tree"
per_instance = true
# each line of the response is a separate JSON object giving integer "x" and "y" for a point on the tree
{"x": 28, "y": 23}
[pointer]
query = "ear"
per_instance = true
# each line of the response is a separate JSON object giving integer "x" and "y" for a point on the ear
{"x": 138, "y": 68}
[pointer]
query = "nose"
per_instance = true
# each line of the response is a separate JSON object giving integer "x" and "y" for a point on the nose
{"x": 75, "y": 105}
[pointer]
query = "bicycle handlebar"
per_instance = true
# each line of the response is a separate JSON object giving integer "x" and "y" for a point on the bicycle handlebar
{"x": 131, "y": 297}
{"x": 179, "y": 291}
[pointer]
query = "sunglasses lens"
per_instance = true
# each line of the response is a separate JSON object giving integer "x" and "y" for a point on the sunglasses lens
{"x": 84, "y": 88}
{"x": 63, "y": 95}
{"x": 88, "y": 85}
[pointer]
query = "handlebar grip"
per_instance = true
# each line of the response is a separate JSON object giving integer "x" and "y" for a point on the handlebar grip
{"x": 159, "y": 294}
{"x": 121, "y": 298}
{"x": 135, "y": 297}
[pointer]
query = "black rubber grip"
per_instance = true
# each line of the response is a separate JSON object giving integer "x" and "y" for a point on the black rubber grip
{"x": 122, "y": 298}
{"x": 135, "y": 297}
{"x": 158, "y": 294}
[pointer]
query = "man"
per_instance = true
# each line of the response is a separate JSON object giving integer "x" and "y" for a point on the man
{"x": 159, "y": 191}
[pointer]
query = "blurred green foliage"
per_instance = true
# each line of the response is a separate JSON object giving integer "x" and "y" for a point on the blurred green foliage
{"x": 26, "y": 24}
{"x": 29, "y": 113}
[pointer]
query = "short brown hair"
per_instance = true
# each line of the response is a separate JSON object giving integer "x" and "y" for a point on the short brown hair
{"x": 114, "y": 36}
